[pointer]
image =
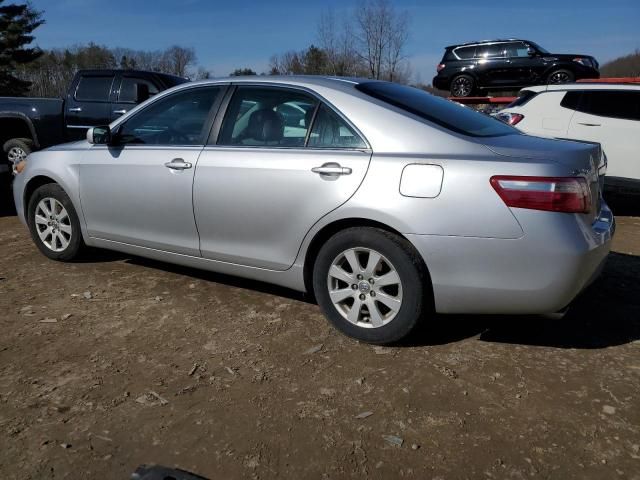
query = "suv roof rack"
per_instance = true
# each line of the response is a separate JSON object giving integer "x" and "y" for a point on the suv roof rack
{"x": 486, "y": 41}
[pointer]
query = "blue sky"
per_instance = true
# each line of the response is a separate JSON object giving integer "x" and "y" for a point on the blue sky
{"x": 236, "y": 33}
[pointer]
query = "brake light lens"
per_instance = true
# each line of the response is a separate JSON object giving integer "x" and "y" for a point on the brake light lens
{"x": 440, "y": 67}
{"x": 510, "y": 118}
{"x": 552, "y": 194}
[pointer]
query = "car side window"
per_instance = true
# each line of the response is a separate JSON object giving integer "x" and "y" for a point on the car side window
{"x": 94, "y": 88}
{"x": 267, "y": 116}
{"x": 619, "y": 104}
{"x": 465, "y": 52}
{"x": 177, "y": 119}
{"x": 128, "y": 89}
{"x": 571, "y": 100}
{"x": 331, "y": 131}
{"x": 490, "y": 51}
{"x": 517, "y": 50}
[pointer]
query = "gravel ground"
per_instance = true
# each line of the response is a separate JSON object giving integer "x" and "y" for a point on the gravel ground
{"x": 117, "y": 361}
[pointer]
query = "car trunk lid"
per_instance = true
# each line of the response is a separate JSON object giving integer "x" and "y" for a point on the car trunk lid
{"x": 582, "y": 159}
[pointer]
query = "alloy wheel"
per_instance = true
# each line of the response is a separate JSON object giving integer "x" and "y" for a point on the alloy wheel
{"x": 364, "y": 287}
{"x": 559, "y": 77}
{"x": 462, "y": 86}
{"x": 15, "y": 155}
{"x": 53, "y": 224}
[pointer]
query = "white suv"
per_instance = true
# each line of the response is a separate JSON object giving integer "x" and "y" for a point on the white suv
{"x": 605, "y": 113}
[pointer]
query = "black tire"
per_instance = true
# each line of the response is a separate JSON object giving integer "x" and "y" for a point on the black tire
{"x": 411, "y": 272}
{"x": 560, "y": 76}
{"x": 462, "y": 86}
{"x": 17, "y": 146}
{"x": 75, "y": 243}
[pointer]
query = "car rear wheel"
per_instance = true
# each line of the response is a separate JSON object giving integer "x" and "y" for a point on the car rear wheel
{"x": 370, "y": 284}
{"x": 560, "y": 76}
{"x": 53, "y": 223}
{"x": 462, "y": 86}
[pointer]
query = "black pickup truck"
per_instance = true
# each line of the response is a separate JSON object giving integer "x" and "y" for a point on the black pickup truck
{"x": 95, "y": 97}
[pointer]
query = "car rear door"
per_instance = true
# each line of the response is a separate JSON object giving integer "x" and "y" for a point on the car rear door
{"x": 138, "y": 190}
{"x": 125, "y": 97}
{"x": 268, "y": 178}
{"x": 611, "y": 118}
{"x": 88, "y": 104}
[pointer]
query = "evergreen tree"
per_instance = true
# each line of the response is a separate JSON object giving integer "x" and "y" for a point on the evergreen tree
{"x": 17, "y": 22}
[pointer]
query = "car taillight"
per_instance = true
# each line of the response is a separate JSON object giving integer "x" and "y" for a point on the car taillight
{"x": 440, "y": 67}
{"x": 510, "y": 118}
{"x": 553, "y": 194}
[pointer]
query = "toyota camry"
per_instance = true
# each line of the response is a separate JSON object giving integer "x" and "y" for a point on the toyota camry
{"x": 385, "y": 203}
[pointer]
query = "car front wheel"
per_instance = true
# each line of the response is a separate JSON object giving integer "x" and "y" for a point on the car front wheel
{"x": 53, "y": 223}
{"x": 370, "y": 284}
{"x": 560, "y": 76}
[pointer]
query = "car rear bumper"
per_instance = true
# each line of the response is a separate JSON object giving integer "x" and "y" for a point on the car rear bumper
{"x": 441, "y": 83}
{"x": 537, "y": 273}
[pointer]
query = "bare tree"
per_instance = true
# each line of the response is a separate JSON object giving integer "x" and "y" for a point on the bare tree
{"x": 177, "y": 60}
{"x": 382, "y": 34}
{"x": 336, "y": 39}
{"x": 203, "y": 74}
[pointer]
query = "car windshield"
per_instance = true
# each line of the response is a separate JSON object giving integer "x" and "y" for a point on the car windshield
{"x": 440, "y": 111}
{"x": 539, "y": 48}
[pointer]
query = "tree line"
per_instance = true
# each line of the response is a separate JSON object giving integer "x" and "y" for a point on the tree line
{"x": 369, "y": 41}
{"x": 50, "y": 74}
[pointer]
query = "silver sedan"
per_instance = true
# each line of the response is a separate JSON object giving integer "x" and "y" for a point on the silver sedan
{"x": 386, "y": 203}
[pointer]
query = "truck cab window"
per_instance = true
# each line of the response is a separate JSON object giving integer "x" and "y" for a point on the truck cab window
{"x": 128, "y": 89}
{"x": 96, "y": 89}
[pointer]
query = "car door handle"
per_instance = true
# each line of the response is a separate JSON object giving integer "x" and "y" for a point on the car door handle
{"x": 332, "y": 169}
{"x": 589, "y": 124}
{"x": 119, "y": 112}
{"x": 75, "y": 109}
{"x": 178, "y": 164}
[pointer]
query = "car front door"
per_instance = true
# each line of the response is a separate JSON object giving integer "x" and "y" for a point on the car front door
{"x": 88, "y": 104}
{"x": 138, "y": 190}
{"x": 611, "y": 118}
{"x": 269, "y": 177}
{"x": 519, "y": 64}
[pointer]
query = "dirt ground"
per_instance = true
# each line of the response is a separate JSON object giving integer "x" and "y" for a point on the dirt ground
{"x": 117, "y": 361}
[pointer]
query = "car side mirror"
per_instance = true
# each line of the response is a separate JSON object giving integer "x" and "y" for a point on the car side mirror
{"x": 99, "y": 135}
{"x": 531, "y": 52}
{"x": 142, "y": 92}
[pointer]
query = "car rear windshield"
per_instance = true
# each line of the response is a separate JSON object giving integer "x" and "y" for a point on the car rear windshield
{"x": 447, "y": 114}
{"x": 523, "y": 97}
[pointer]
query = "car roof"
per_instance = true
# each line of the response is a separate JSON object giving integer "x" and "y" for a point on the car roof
{"x": 308, "y": 81}
{"x": 583, "y": 86}
{"x": 481, "y": 42}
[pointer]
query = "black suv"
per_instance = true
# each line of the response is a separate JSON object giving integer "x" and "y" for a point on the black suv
{"x": 507, "y": 65}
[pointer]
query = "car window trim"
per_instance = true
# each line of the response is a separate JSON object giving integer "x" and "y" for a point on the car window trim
{"x": 217, "y": 124}
{"x": 75, "y": 92}
{"x": 211, "y": 115}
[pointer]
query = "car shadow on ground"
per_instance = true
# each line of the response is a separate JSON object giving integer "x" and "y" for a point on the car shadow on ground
{"x": 623, "y": 205}
{"x": 7, "y": 208}
{"x": 604, "y": 315}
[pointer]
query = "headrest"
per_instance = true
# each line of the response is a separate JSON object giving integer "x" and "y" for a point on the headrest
{"x": 265, "y": 126}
